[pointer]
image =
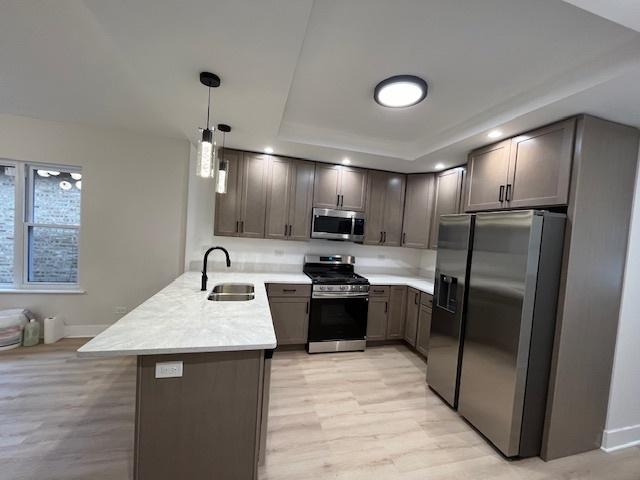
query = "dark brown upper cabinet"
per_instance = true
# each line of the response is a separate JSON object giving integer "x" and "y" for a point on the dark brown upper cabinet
{"x": 530, "y": 170}
{"x": 487, "y": 174}
{"x": 448, "y": 198}
{"x": 418, "y": 210}
{"x": 385, "y": 206}
{"x": 540, "y": 166}
{"x": 289, "y": 198}
{"x": 241, "y": 211}
{"x": 340, "y": 187}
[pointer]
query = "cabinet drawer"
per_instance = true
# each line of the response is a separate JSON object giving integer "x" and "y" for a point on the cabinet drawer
{"x": 288, "y": 290}
{"x": 426, "y": 299}
{"x": 379, "y": 291}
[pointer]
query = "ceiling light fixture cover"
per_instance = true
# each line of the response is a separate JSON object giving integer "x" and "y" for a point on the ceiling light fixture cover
{"x": 494, "y": 134}
{"x": 206, "y": 152}
{"x": 400, "y": 91}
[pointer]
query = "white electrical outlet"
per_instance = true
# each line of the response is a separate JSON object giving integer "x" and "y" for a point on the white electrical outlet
{"x": 168, "y": 369}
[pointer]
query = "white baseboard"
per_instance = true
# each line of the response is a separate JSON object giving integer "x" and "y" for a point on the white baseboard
{"x": 620, "y": 438}
{"x": 75, "y": 331}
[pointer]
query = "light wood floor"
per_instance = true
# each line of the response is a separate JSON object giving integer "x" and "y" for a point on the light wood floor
{"x": 334, "y": 416}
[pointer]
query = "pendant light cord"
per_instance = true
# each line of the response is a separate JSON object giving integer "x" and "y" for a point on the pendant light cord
{"x": 208, "y": 107}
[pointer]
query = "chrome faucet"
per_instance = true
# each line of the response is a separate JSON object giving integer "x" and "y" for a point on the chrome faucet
{"x": 204, "y": 265}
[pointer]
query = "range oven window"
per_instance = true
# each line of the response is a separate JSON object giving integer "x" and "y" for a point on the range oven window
{"x": 327, "y": 224}
{"x": 338, "y": 319}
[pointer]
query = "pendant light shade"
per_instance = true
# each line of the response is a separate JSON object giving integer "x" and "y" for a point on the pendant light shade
{"x": 205, "y": 154}
{"x": 206, "y": 151}
{"x": 223, "y": 163}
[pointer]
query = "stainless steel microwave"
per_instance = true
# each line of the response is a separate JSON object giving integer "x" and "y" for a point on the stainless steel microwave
{"x": 337, "y": 225}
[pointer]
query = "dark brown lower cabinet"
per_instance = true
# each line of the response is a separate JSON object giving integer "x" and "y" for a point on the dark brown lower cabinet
{"x": 377, "y": 318}
{"x": 424, "y": 329}
{"x": 290, "y": 319}
{"x": 202, "y": 425}
{"x": 397, "y": 308}
{"x": 411, "y": 319}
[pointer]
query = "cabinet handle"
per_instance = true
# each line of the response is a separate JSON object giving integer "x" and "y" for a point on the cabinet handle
{"x": 237, "y": 226}
{"x": 290, "y": 229}
{"x": 416, "y": 299}
{"x": 241, "y": 226}
{"x": 380, "y": 241}
{"x": 501, "y": 194}
{"x": 508, "y": 196}
{"x": 307, "y": 309}
{"x": 289, "y": 290}
{"x": 378, "y": 291}
{"x": 386, "y": 306}
{"x": 342, "y": 200}
{"x": 285, "y": 229}
{"x": 384, "y": 237}
{"x": 338, "y": 201}
{"x": 404, "y": 238}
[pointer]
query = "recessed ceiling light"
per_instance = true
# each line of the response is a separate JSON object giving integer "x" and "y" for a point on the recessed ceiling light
{"x": 346, "y": 161}
{"x": 494, "y": 134}
{"x": 268, "y": 150}
{"x": 400, "y": 91}
{"x": 439, "y": 166}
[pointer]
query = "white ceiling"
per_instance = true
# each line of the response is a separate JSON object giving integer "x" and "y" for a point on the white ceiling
{"x": 299, "y": 74}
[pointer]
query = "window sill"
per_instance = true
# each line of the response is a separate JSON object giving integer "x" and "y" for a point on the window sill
{"x": 38, "y": 291}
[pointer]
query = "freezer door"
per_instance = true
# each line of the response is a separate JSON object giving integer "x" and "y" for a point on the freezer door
{"x": 454, "y": 242}
{"x": 506, "y": 247}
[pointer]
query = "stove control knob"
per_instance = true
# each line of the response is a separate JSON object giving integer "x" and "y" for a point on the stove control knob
{"x": 322, "y": 287}
{"x": 343, "y": 287}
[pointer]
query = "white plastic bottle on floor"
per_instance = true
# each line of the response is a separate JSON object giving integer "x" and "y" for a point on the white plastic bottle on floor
{"x": 31, "y": 333}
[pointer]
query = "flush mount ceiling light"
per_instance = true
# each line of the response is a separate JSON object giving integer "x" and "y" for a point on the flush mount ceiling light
{"x": 439, "y": 166}
{"x": 494, "y": 134}
{"x": 206, "y": 151}
{"x": 400, "y": 91}
{"x": 268, "y": 150}
{"x": 223, "y": 163}
{"x": 346, "y": 161}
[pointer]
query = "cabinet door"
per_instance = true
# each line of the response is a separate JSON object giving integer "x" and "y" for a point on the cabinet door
{"x": 394, "y": 208}
{"x": 377, "y": 319}
{"x": 326, "y": 185}
{"x": 227, "y": 211}
{"x": 424, "y": 329}
{"x": 487, "y": 173}
{"x": 353, "y": 188}
{"x": 254, "y": 195}
{"x": 374, "y": 223}
{"x": 278, "y": 198}
{"x": 540, "y": 166}
{"x": 418, "y": 210}
{"x": 301, "y": 200}
{"x": 290, "y": 319}
{"x": 411, "y": 321}
{"x": 396, "y": 315}
{"x": 448, "y": 191}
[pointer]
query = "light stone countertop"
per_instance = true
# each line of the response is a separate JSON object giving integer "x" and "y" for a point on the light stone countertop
{"x": 419, "y": 283}
{"x": 180, "y": 319}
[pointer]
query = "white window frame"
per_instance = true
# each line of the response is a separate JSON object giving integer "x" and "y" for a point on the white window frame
{"x": 24, "y": 193}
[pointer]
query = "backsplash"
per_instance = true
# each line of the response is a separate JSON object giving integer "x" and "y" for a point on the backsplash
{"x": 257, "y": 255}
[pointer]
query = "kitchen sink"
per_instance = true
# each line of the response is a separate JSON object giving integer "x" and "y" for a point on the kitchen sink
{"x": 232, "y": 292}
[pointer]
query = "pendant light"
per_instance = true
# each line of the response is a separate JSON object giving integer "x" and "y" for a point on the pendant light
{"x": 206, "y": 152}
{"x": 223, "y": 163}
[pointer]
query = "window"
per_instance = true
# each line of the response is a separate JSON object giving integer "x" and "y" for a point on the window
{"x": 39, "y": 225}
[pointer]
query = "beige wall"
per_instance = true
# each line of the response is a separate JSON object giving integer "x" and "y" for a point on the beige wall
{"x": 134, "y": 197}
{"x": 623, "y": 416}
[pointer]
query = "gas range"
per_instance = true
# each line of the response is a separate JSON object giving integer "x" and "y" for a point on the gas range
{"x": 339, "y": 304}
{"x": 334, "y": 274}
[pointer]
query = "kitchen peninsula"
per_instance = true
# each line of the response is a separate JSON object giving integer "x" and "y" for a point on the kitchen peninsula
{"x": 203, "y": 374}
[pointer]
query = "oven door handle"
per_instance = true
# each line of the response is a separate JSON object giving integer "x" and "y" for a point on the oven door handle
{"x": 344, "y": 295}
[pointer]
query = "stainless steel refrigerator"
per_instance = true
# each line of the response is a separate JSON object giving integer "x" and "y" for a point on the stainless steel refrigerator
{"x": 495, "y": 297}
